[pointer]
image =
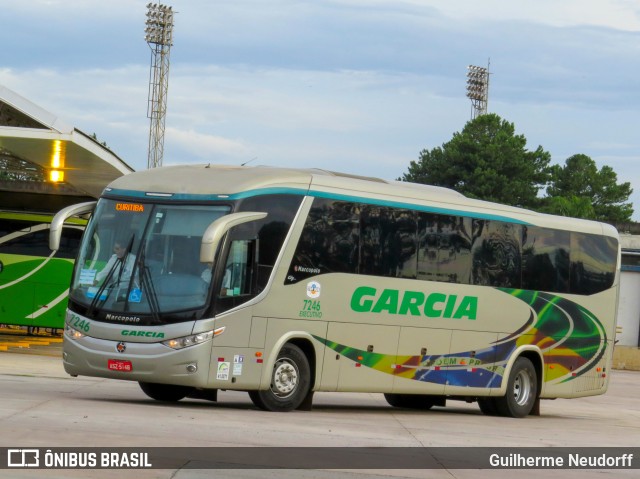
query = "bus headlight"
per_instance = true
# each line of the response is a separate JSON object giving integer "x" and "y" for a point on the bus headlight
{"x": 72, "y": 333}
{"x": 186, "y": 341}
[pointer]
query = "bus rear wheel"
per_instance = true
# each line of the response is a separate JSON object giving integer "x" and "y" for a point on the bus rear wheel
{"x": 488, "y": 406}
{"x": 165, "y": 392}
{"x": 413, "y": 401}
{"x": 522, "y": 390}
{"x": 290, "y": 382}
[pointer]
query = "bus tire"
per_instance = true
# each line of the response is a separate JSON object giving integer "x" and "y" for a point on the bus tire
{"x": 290, "y": 382}
{"x": 165, "y": 392}
{"x": 488, "y": 406}
{"x": 522, "y": 390}
{"x": 410, "y": 401}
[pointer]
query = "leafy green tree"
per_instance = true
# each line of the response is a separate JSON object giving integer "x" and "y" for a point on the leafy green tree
{"x": 487, "y": 160}
{"x": 580, "y": 182}
{"x": 574, "y": 206}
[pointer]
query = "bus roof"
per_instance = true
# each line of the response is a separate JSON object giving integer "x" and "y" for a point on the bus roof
{"x": 215, "y": 182}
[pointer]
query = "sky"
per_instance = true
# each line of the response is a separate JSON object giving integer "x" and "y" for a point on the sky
{"x": 358, "y": 86}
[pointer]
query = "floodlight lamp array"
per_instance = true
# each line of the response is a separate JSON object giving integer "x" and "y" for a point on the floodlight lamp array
{"x": 159, "y": 24}
{"x": 477, "y": 82}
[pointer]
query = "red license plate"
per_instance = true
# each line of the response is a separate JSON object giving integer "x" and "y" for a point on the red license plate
{"x": 119, "y": 365}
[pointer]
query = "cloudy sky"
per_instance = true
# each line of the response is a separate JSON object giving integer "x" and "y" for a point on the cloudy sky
{"x": 360, "y": 86}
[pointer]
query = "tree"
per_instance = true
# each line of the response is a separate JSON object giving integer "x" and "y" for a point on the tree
{"x": 574, "y": 206}
{"x": 487, "y": 160}
{"x": 580, "y": 181}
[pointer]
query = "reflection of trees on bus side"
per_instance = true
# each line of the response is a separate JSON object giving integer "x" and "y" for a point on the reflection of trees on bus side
{"x": 496, "y": 253}
{"x": 401, "y": 243}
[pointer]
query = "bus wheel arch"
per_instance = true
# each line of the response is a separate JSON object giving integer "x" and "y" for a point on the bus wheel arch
{"x": 536, "y": 358}
{"x": 290, "y": 379}
{"x": 522, "y": 388}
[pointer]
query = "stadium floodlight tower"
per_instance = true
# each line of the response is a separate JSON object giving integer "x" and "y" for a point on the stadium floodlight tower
{"x": 478, "y": 89}
{"x": 159, "y": 37}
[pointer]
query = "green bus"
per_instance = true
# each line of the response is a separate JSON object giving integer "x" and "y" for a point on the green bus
{"x": 34, "y": 282}
{"x": 288, "y": 282}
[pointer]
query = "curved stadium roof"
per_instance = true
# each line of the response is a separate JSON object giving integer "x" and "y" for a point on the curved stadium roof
{"x": 33, "y": 143}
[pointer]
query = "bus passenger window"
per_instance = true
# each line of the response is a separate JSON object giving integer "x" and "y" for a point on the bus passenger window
{"x": 329, "y": 241}
{"x": 398, "y": 243}
{"x": 545, "y": 259}
{"x": 444, "y": 248}
{"x": 592, "y": 263}
{"x": 496, "y": 254}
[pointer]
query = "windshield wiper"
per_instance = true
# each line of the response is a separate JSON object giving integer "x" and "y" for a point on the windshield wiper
{"x": 146, "y": 284}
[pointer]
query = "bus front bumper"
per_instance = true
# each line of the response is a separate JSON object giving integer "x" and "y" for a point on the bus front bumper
{"x": 145, "y": 362}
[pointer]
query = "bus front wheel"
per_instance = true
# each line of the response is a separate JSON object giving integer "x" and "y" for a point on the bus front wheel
{"x": 165, "y": 392}
{"x": 290, "y": 382}
{"x": 522, "y": 390}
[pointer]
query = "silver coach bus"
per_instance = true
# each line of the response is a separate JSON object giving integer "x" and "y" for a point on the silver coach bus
{"x": 287, "y": 282}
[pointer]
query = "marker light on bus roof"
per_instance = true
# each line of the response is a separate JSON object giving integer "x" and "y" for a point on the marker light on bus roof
{"x": 186, "y": 341}
{"x": 159, "y": 195}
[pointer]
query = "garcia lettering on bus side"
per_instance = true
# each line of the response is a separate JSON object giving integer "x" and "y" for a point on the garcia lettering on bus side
{"x": 366, "y": 299}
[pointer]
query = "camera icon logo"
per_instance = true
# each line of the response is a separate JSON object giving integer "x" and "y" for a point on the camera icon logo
{"x": 23, "y": 458}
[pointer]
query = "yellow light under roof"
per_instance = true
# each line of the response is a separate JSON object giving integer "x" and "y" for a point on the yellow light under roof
{"x": 58, "y": 156}
{"x": 56, "y": 176}
{"x": 58, "y": 153}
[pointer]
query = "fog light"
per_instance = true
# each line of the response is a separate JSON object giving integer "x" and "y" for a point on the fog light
{"x": 192, "y": 368}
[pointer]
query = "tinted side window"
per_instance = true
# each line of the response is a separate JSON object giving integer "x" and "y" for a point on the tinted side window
{"x": 372, "y": 220}
{"x": 496, "y": 252}
{"x": 329, "y": 242}
{"x": 345, "y": 237}
{"x": 444, "y": 248}
{"x": 593, "y": 260}
{"x": 398, "y": 243}
{"x": 31, "y": 244}
{"x": 10, "y": 226}
{"x": 380, "y": 241}
{"x": 388, "y": 242}
{"x": 545, "y": 259}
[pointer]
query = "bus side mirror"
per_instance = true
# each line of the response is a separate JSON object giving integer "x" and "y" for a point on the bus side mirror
{"x": 216, "y": 230}
{"x": 55, "y": 230}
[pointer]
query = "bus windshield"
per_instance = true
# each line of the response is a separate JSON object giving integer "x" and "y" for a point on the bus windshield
{"x": 143, "y": 259}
